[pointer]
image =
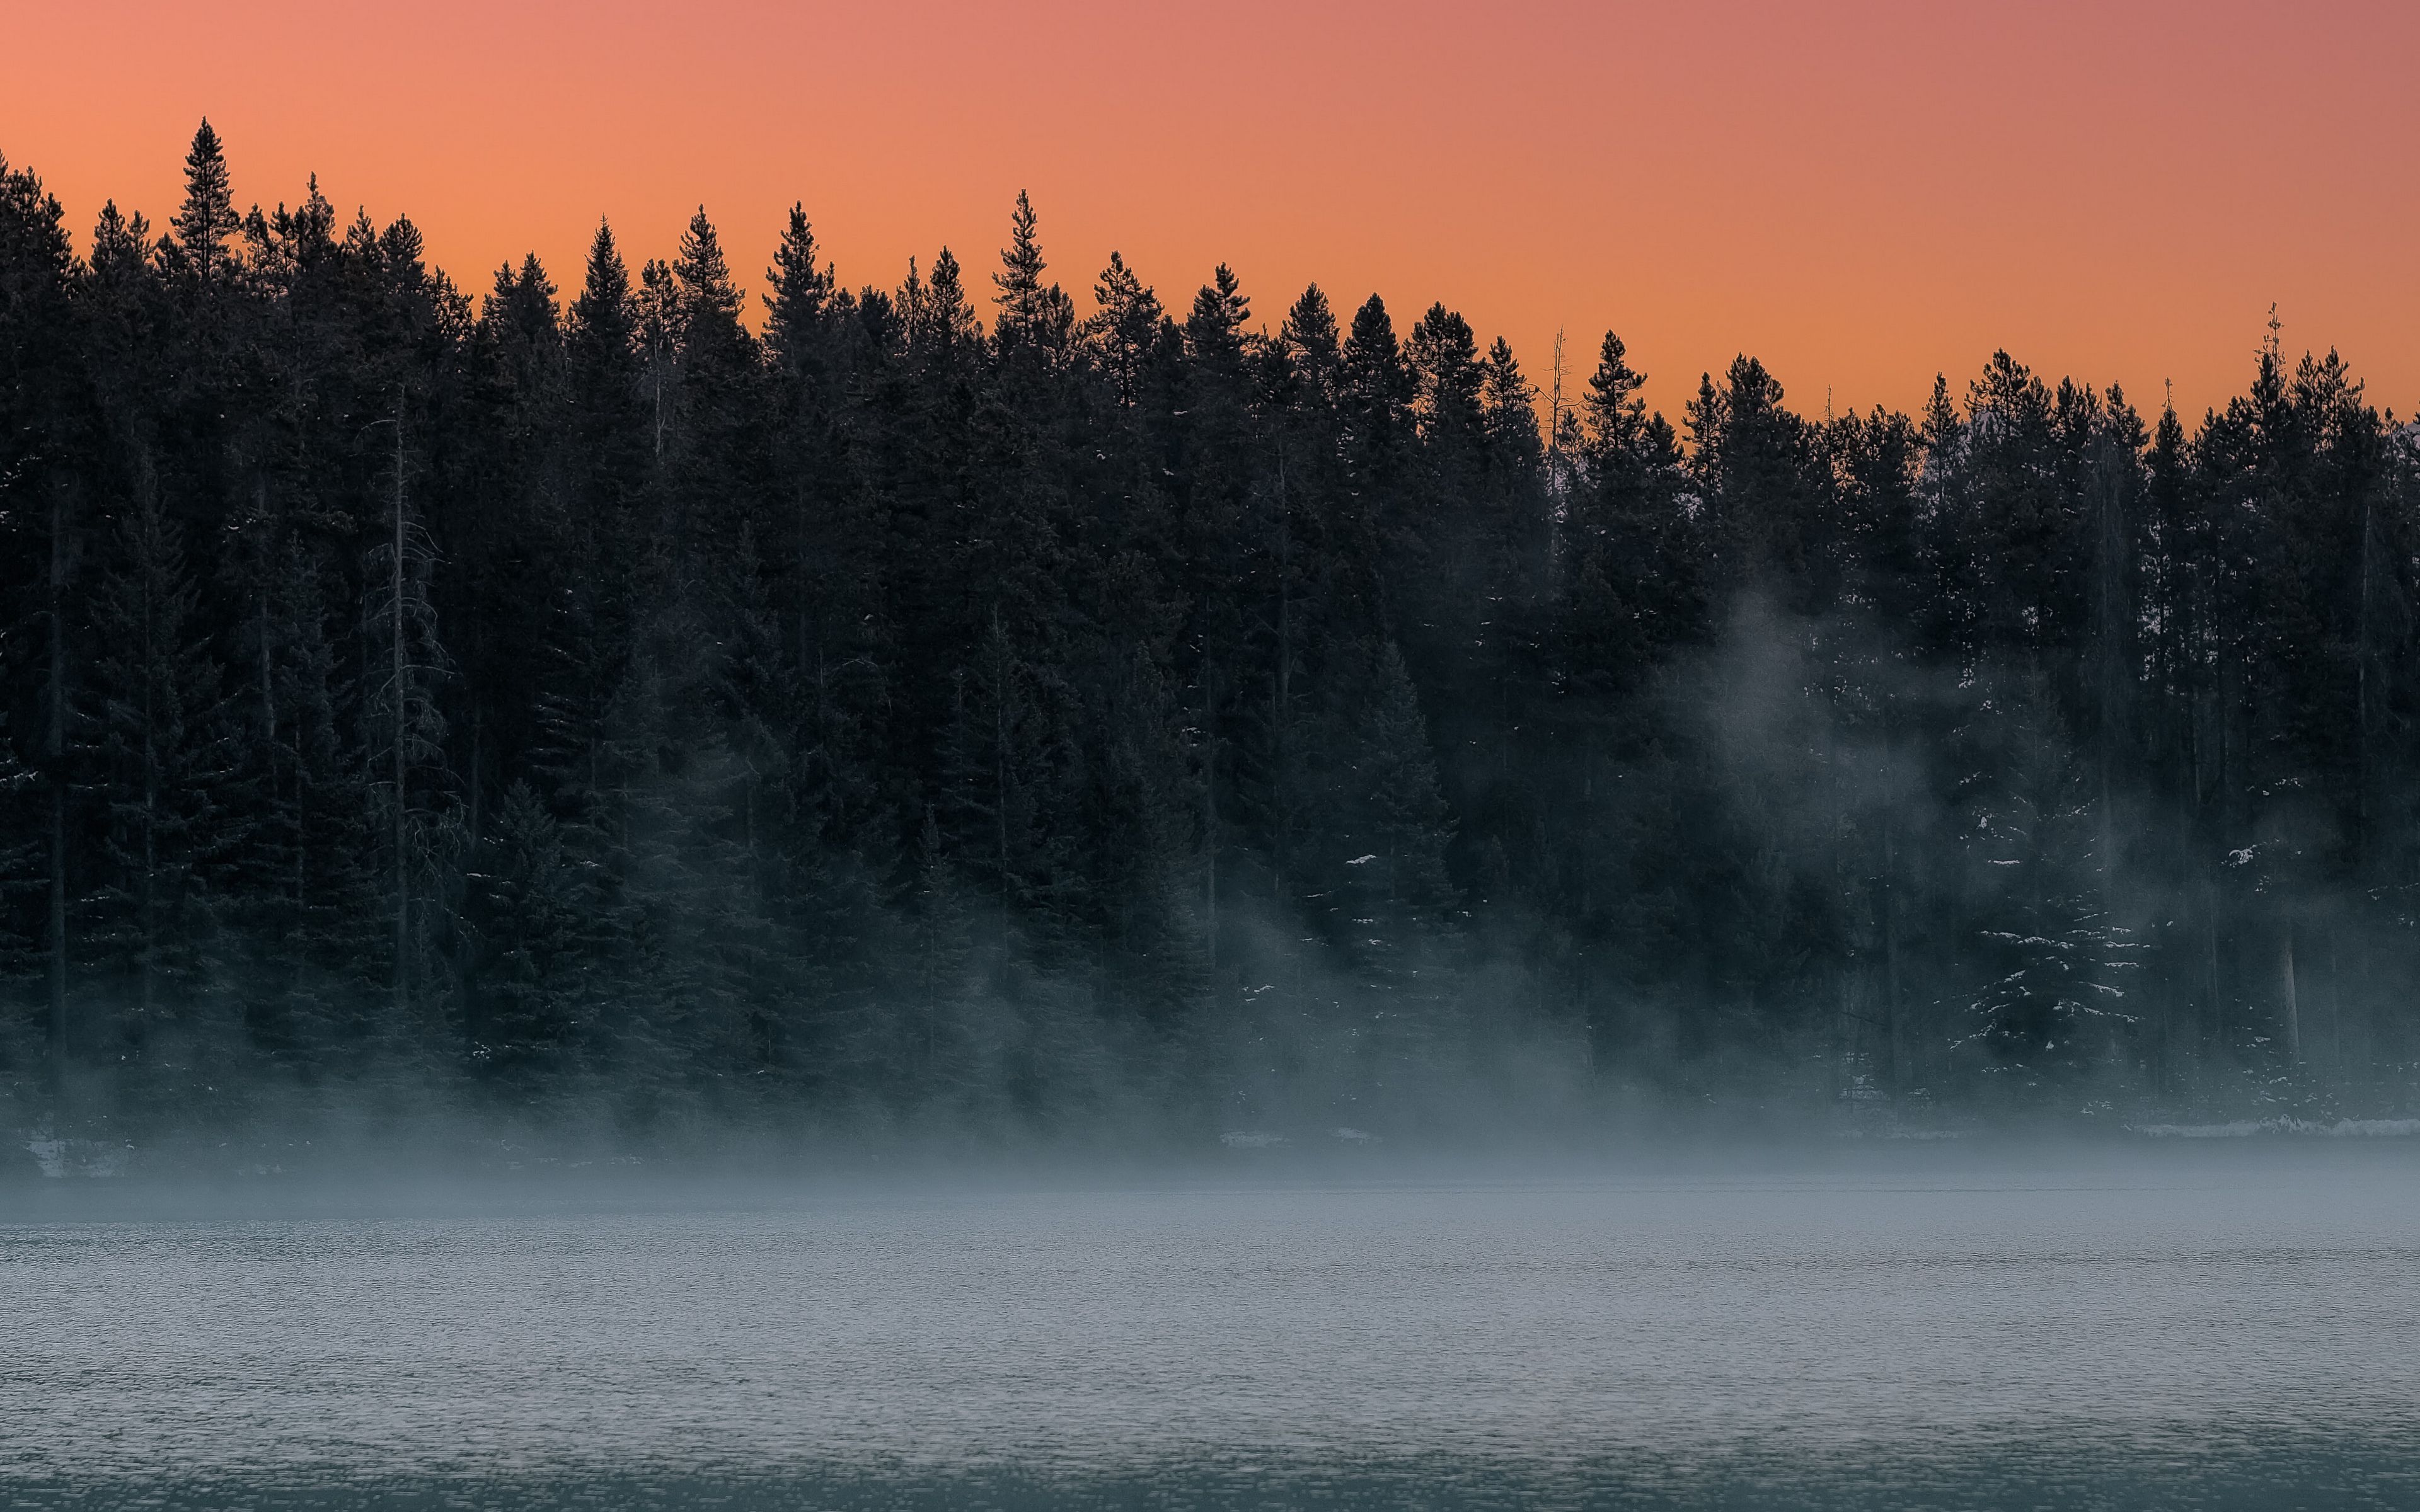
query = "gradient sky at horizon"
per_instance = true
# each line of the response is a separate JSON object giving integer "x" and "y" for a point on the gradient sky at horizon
{"x": 1862, "y": 194}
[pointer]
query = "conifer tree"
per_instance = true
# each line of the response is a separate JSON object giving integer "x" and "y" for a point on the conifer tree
{"x": 1376, "y": 390}
{"x": 1125, "y": 330}
{"x": 933, "y": 1061}
{"x": 1509, "y": 417}
{"x": 536, "y": 901}
{"x": 1308, "y": 333}
{"x": 2055, "y": 980}
{"x": 198, "y": 236}
{"x": 1033, "y": 317}
{"x": 657, "y": 333}
{"x": 1214, "y": 328}
{"x": 21, "y": 870}
{"x": 718, "y": 484}
{"x": 881, "y": 715}
{"x": 158, "y": 740}
{"x": 940, "y": 324}
{"x": 1007, "y": 773}
{"x": 1755, "y": 467}
{"x": 1637, "y": 567}
{"x": 42, "y": 426}
{"x": 1447, "y": 380}
{"x": 802, "y": 298}
{"x": 1398, "y": 897}
{"x": 308, "y": 895}
{"x": 711, "y": 303}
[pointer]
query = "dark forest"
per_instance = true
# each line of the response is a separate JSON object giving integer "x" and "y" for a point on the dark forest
{"x": 966, "y": 705}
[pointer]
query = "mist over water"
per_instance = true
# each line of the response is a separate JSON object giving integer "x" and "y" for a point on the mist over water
{"x": 1014, "y": 704}
{"x": 2186, "y": 1327}
{"x": 640, "y": 892}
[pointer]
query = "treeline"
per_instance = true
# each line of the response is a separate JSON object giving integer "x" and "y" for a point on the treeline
{"x": 939, "y": 702}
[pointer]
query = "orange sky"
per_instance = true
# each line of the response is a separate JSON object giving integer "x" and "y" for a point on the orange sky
{"x": 1860, "y": 193}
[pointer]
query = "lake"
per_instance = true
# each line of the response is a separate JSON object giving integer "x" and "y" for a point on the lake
{"x": 2236, "y": 1329}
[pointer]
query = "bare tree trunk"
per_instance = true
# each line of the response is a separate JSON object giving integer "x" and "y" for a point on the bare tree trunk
{"x": 301, "y": 829}
{"x": 57, "y": 753}
{"x": 2210, "y": 940}
{"x": 150, "y": 955}
{"x": 268, "y": 566}
{"x": 1281, "y": 703}
{"x": 2293, "y": 1001}
{"x": 2361, "y": 705}
{"x": 1209, "y": 811}
{"x": 2335, "y": 1013}
{"x": 1895, "y": 1071}
{"x": 401, "y": 763}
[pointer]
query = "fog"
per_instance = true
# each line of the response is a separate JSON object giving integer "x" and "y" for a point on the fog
{"x": 1994, "y": 980}
{"x": 619, "y": 888}
{"x": 2173, "y": 1326}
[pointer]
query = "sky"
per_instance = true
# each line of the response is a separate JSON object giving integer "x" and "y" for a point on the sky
{"x": 1861, "y": 194}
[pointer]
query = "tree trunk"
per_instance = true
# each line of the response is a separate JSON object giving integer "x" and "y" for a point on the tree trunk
{"x": 1894, "y": 1068}
{"x": 401, "y": 761}
{"x": 2293, "y": 1000}
{"x": 57, "y": 750}
{"x": 1210, "y": 815}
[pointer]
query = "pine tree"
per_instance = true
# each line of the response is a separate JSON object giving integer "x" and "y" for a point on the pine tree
{"x": 1397, "y": 897}
{"x": 718, "y": 484}
{"x": 2055, "y": 978}
{"x": 1509, "y": 417}
{"x": 42, "y": 428}
{"x": 1033, "y": 317}
{"x": 1214, "y": 328}
{"x": 1376, "y": 390}
{"x": 690, "y": 1013}
{"x": 1308, "y": 335}
{"x": 21, "y": 886}
{"x": 877, "y": 715}
{"x": 802, "y": 298}
{"x": 1124, "y": 332}
{"x": 198, "y": 236}
{"x": 1139, "y": 820}
{"x": 937, "y": 1064}
{"x": 609, "y": 444}
{"x": 941, "y": 330}
{"x": 536, "y": 899}
{"x": 1613, "y": 413}
{"x": 601, "y": 346}
{"x": 1008, "y": 770}
{"x": 656, "y": 334}
{"x": 164, "y": 764}
{"x": 1765, "y": 497}
{"x": 307, "y": 899}
{"x": 1636, "y": 557}
{"x": 1447, "y": 384}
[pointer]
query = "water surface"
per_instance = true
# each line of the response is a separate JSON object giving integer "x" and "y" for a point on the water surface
{"x": 2183, "y": 1335}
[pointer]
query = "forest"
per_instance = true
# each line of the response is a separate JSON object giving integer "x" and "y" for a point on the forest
{"x": 963, "y": 704}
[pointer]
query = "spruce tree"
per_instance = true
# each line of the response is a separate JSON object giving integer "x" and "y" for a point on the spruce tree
{"x": 43, "y": 430}
{"x": 803, "y": 294}
{"x": 940, "y": 1055}
{"x": 1308, "y": 333}
{"x": 309, "y": 897}
{"x": 536, "y": 905}
{"x": 206, "y": 221}
{"x": 1447, "y": 380}
{"x": 1376, "y": 390}
{"x": 164, "y": 764}
{"x": 1123, "y": 332}
{"x": 1033, "y": 317}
